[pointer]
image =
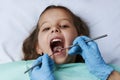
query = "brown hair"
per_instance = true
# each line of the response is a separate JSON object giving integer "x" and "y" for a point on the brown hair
{"x": 30, "y": 44}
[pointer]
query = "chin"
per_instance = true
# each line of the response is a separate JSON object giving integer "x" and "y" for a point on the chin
{"x": 61, "y": 61}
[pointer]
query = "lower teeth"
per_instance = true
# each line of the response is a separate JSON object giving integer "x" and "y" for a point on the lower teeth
{"x": 57, "y": 49}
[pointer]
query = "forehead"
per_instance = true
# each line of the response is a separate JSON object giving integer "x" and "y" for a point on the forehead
{"x": 56, "y": 12}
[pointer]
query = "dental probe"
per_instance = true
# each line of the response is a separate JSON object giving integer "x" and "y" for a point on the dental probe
{"x": 102, "y": 36}
{"x": 39, "y": 64}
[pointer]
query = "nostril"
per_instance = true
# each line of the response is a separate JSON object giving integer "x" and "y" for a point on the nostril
{"x": 56, "y": 30}
{"x": 52, "y": 31}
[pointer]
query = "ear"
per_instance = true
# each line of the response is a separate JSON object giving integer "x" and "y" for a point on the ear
{"x": 38, "y": 49}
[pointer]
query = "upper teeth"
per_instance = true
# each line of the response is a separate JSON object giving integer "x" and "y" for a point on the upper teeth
{"x": 54, "y": 40}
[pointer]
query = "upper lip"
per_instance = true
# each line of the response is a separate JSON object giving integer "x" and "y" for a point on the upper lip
{"x": 57, "y": 37}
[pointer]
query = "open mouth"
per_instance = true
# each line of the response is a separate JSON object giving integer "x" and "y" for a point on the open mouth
{"x": 56, "y": 45}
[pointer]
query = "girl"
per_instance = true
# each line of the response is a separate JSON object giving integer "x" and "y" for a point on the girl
{"x": 58, "y": 28}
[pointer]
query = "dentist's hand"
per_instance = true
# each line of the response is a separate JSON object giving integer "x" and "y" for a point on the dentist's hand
{"x": 43, "y": 72}
{"x": 93, "y": 59}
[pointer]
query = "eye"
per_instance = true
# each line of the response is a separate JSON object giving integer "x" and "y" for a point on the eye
{"x": 46, "y": 29}
{"x": 64, "y": 26}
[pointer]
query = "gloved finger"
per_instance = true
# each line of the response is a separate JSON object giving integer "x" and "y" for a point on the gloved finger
{"x": 51, "y": 63}
{"x": 92, "y": 44}
{"x": 46, "y": 61}
{"x": 83, "y": 45}
{"x": 77, "y": 49}
{"x": 38, "y": 60}
{"x": 74, "y": 50}
{"x": 81, "y": 42}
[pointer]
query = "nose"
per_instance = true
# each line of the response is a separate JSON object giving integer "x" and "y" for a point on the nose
{"x": 54, "y": 30}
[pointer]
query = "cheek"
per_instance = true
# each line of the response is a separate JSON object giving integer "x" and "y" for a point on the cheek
{"x": 70, "y": 36}
{"x": 42, "y": 41}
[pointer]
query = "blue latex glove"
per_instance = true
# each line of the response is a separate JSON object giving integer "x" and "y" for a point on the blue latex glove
{"x": 91, "y": 54}
{"x": 45, "y": 71}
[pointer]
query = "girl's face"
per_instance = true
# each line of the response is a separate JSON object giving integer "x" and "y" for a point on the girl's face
{"x": 56, "y": 30}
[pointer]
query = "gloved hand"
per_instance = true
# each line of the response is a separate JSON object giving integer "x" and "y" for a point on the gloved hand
{"x": 91, "y": 54}
{"x": 43, "y": 72}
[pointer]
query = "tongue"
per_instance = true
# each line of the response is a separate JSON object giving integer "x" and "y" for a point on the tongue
{"x": 57, "y": 49}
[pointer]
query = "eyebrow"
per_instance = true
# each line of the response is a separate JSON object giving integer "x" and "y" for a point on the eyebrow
{"x": 69, "y": 20}
{"x": 43, "y": 23}
{"x": 60, "y": 20}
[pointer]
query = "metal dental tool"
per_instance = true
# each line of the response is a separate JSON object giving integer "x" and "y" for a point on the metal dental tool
{"x": 39, "y": 64}
{"x": 60, "y": 49}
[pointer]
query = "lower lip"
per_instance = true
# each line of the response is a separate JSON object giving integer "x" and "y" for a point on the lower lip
{"x": 60, "y": 53}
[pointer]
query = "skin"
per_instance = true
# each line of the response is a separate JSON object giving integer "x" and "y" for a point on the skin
{"x": 114, "y": 76}
{"x": 56, "y": 24}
